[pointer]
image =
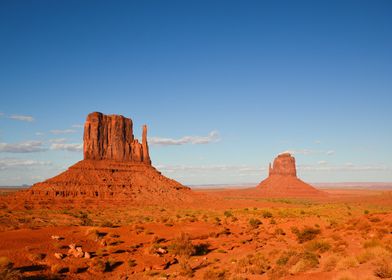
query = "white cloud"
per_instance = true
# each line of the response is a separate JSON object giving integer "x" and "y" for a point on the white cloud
{"x": 58, "y": 140}
{"x": 348, "y": 167}
{"x": 213, "y": 136}
{"x": 77, "y": 126}
{"x": 322, "y": 162}
{"x": 64, "y": 131}
{"x": 1, "y": 114}
{"x": 23, "y": 147}
{"x": 23, "y": 118}
{"x": 307, "y": 152}
{"x": 75, "y": 147}
{"x": 12, "y": 163}
{"x": 210, "y": 168}
{"x": 39, "y": 133}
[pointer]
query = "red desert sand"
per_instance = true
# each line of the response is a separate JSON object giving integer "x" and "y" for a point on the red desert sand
{"x": 114, "y": 216}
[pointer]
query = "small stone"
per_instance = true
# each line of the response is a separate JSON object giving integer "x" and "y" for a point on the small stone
{"x": 161, "y": 251}
{"x": 78, "y": 254}
{"x": 59, "y": 256}
{"x": 56, "y": 237}
{"x": 87, "y": 255}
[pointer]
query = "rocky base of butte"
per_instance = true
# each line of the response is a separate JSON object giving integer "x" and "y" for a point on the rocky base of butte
{"x": 283, "y": 182}
{"x": 115, "y": 166}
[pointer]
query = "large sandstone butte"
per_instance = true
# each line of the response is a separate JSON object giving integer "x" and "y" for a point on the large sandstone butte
{"x": 115, "y": 166}
{"x": 283, "y": 182}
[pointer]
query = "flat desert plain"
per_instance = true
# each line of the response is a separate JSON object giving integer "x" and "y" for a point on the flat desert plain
{"x": 222, "y": 234}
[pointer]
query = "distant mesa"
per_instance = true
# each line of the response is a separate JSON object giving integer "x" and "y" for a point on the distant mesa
{"x": 283, "y": 182}
{"x": 115, "y": 166}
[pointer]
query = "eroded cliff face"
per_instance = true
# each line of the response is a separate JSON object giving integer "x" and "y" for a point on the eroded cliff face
{"x": 115, "y": 166}
{"x": 284, "y": 165}
{"x": 110, "y": 137}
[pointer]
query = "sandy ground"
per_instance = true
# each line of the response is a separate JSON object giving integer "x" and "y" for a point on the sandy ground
{"x": 224, "y": 234}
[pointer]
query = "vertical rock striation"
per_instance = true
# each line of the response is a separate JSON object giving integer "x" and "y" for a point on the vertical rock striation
{"x": 111, "y": 137}
{"x": 284, "y": 165}
{"x": 115, "y": 166}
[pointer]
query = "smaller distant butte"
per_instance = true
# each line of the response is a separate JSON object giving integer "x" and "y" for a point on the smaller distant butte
{"x": 283, "y": 182}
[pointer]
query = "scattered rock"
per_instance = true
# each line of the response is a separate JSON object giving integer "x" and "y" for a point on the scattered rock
{"x": 59, "y": 256}
{"x": 56, "y": 237}
{"x": 87, "y": 255}
{"x": 161, "y": 251}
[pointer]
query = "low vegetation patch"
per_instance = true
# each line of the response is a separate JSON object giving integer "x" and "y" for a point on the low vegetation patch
{"x": 254, "y": 264}
{"x": 306, "y": 234}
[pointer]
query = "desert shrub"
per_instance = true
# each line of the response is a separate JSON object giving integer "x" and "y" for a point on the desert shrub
{"x": 330, "y": 263}
{"x": 186, "y": 270}
{"x": 6, "y": 270}
{"x": 372, "y": 243}
{"x": 347, "y": 263}
{"x": 182, "y": 246}
{"x": 307, "y": 234}
{"x": 266, "y": 214}
{"x": 365, "y": 256}
{"x": 108, "y": 224}
{"x": 383, "y": 270}
{"x": 366, "y": 212}
{"x": 5, "y": 263}
{"x": 36, "y": 257}
{"x": 320, "y": 246}
{"x": 132, "y": 263}
{"x": 85, "y": 220}
{"x": 214, "y": 274}
{"x": 279, "y": 231}
{"x": 254, "y": 264}
{"x": 100, "y": 265}
{"x": 228, "y": 214}
{"x": 374, "y": 219}
{"x": 10, "y": 274}
{"x": 202, "y": 249}
{"x": 285, "y": 257}
{"x": 308, "y": 260}
{"x": 254, "y": 223}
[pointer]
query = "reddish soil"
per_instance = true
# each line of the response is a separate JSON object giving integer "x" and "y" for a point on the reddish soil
{"x": 241, "y": 234}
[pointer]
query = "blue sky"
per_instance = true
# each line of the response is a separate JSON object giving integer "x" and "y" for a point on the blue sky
{"x": 231, "y": 83}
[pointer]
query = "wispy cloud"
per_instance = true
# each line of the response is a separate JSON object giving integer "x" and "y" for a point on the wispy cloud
{"x": 348, "y": 167}
{"x": 23, "y": 147}
{"x": 77, "y": 126}
{"x": 213, "y": 136}
{"x": 73, "y": 147}
{"x": 23, "y": 118}
{"x": 58, "y": 140}
{"x": 197, "y": 169}
{"x": 307, "y": 152}
{"x": 39, "y": 133}
{"x": 62, "y": 131}
{"x": 11, "y": 163}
